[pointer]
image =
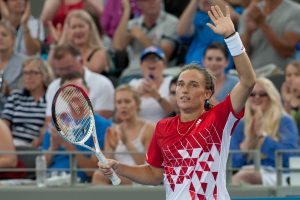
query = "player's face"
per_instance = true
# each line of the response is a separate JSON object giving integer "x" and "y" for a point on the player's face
{"x": 191, "y": 92}
{"x": 215, "y": 61}
{"x": 125, "y": 105}
{"x": 259, "y": 98}
{"x": 79, "y": 31}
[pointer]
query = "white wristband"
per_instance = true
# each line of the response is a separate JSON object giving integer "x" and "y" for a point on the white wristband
{"x": 235, "y": 45}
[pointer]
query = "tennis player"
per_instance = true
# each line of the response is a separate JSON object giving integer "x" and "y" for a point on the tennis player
{"x": 188, "y": 152}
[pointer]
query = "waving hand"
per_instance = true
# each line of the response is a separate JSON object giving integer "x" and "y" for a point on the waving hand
{"x": 223, "y": 25}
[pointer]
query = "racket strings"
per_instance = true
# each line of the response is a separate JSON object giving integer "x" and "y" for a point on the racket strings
{"x": 75, "y": 114}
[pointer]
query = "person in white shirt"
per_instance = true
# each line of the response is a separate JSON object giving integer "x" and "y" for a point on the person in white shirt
{"x": 154, "y": 86}
{"x": 188, "y": 152}
{"x": 66, "y": 58}
{"x": 29, "y": 30}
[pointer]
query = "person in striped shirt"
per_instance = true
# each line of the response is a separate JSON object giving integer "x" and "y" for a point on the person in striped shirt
{"x": 24, "y": 111}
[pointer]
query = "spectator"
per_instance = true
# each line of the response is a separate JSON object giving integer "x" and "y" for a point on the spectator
{"x": 270, "y": 30}
{"x": 147, "y": 30}
{"x": 172, "y": 97}
{"x": 80, "y": 31}
{"x": 8, "y": 160}
{"x": 216, "y": 60}
{"x": 11, "y": 62}
{"x": 112, "y": 14}
{"x": 192, "y": 28}
{"x": 24, "y": 111}
{"x": 175, "y": 7}
{"x": 66, "y": 59}
{"x": 267, "y": 128}
{"x": 29, "y": 30}
{"x": 55, "y": 12}
{"x": 6, "y": 144}
{"x": 290, "y": 91}
{"x": 129, "y": 139}
{"x": 53, "y": 142}
{"x": 153, "y": 87}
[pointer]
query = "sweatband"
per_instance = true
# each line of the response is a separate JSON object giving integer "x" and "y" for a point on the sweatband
{"x": 235, "y": 45}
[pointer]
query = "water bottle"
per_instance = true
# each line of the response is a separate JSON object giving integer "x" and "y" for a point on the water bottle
{"x": 41, "y": 170}
{"x": 297, "y": 54}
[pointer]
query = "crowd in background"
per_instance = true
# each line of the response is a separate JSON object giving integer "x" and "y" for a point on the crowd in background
{"x": 126, "y": 54}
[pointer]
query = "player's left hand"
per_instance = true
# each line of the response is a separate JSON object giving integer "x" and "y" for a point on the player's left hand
{"x": 223, "y": 25}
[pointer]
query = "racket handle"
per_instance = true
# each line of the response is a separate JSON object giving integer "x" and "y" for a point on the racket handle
{"x": 115, "y": 180}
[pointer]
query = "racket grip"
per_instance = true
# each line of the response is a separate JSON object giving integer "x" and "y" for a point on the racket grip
{"x": 115, "y": 180}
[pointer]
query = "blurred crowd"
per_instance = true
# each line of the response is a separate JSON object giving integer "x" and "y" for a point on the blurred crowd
{"x": 126, "y": 54}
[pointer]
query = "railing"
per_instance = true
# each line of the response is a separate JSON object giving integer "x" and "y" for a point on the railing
{"x": 72, "y": 158}
{"x": 229, "y": 170}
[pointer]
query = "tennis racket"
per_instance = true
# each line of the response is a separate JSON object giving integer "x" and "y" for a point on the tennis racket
{"x": 73, "y": 117}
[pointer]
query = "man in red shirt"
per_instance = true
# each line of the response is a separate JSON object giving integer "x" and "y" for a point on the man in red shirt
{"x": 188, "y": 152}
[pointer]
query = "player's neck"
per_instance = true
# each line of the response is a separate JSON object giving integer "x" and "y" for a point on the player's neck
{"x": 186, "y": 117}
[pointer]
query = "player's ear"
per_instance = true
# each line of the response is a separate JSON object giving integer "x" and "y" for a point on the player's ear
{"x": 208, "y": 94}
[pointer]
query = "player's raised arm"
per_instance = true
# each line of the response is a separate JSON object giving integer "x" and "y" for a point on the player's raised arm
{"x": 223, "y": 25}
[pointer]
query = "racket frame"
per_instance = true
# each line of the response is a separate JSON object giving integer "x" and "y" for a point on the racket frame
{"x": 91, "y": 132}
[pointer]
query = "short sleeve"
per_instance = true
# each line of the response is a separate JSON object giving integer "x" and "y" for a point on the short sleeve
{"x": 154, "y": 155}
{"x": 52, "y": 88}
{"x": 8, "y": 111}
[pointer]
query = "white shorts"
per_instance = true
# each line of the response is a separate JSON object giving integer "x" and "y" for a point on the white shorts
{"x": 268, "y": 175}
{"x": 269, "y": 178}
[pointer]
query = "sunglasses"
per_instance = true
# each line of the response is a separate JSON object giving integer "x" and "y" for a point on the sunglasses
{"x": 259, "y": 94}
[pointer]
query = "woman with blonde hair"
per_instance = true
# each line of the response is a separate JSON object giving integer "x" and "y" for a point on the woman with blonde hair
{"x": 267, "y": 128}
{"x": 24, "y": 111}
{"x": 290, "y": 90}
{"x": 80, "y": 31}
{"x": 128, "y": 140}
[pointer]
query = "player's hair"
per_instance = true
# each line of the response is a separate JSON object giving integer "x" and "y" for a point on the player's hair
{"x": 209, "y": 80}
{"x": 273, "y": 113}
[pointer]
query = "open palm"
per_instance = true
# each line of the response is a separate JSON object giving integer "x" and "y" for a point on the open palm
{"x": 223, "y": 25}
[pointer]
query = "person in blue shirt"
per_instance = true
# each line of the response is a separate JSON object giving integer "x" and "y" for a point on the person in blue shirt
{"x": 215, "y": 60}
{"x": 267, "y": 128}
{"x": 53, "y": 142}
{"x": 192, "y": 30}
